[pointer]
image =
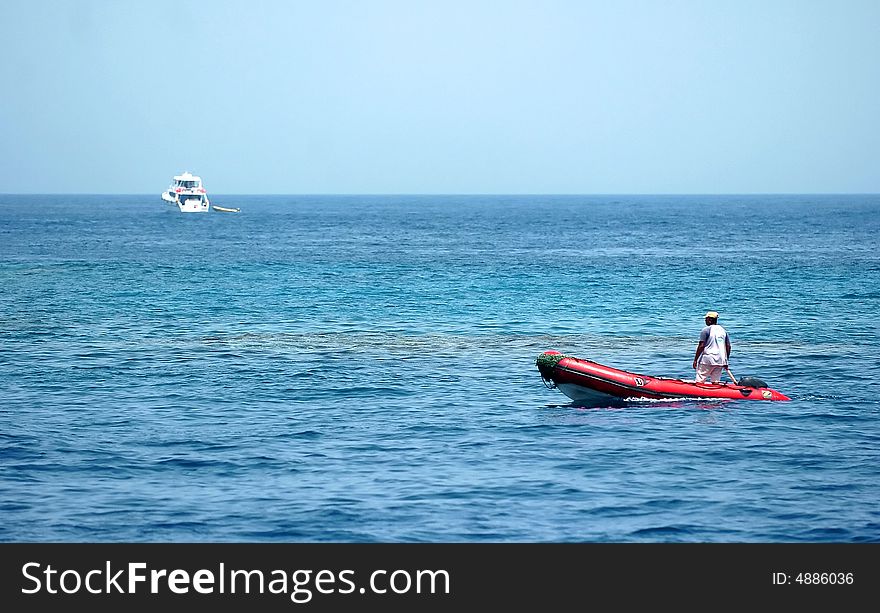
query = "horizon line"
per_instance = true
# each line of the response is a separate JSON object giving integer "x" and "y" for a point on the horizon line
{"x": 522, "y": 194}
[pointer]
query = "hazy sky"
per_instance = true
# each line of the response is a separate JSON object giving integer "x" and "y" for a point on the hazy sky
{"x": 410, "y": 96}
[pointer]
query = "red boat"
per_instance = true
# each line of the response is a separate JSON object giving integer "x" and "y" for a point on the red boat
{"x": 588, "y": 381}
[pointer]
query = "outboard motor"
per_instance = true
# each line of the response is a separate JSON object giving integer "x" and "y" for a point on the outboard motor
{"x": 748, "y": 381}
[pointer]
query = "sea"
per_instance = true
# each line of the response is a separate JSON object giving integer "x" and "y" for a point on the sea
{"x": 361, "y": 369}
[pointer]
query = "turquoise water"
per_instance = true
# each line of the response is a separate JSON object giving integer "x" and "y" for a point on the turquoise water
{"x": 362, "y": 369}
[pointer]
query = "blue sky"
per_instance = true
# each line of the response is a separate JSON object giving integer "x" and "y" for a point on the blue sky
{"x": 440, "y": 97}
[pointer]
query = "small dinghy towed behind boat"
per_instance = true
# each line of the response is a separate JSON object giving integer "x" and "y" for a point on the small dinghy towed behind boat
{"x": 588, "y": 381}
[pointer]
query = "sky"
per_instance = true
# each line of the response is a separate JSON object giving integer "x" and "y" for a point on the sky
{"x": 441, "y": 97}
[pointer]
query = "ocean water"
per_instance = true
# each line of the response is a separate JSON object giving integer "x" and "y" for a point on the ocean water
{"x": 362, "y": 369}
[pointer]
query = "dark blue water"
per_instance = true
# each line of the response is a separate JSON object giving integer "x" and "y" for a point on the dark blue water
{"x": 363, "y": 369}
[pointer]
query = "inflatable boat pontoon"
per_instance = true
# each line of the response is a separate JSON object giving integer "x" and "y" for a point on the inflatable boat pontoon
{"x": 588, "y": 381}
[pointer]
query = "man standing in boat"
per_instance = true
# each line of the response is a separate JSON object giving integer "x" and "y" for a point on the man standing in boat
{"x": 713, "y": 350}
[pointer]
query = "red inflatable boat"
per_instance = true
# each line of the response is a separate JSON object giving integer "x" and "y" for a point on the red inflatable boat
{"x": 587, "y": 381}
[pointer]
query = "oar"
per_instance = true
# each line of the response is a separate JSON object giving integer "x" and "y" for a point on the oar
{"x": 730, "y": 374}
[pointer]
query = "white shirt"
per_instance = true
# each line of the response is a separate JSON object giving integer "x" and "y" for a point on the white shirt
{"x": 715, "y": 347}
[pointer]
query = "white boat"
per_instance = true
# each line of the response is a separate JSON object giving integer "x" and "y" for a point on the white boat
{"x": 188, "y": 193}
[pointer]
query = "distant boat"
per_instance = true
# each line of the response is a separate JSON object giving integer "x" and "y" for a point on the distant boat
{"x": 223, "y": 209}
{"x": 188, "y": 193}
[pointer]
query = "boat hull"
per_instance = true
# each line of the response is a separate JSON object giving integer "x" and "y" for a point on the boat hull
{"x": 193, "y": 205}
{"x": 588, "y": 381}
{"x": 188, "y": 203}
